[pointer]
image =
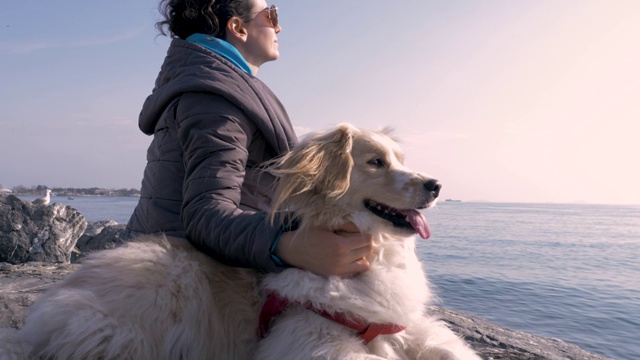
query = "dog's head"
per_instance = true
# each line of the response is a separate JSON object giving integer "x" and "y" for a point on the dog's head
{"x": 350, "y": 174}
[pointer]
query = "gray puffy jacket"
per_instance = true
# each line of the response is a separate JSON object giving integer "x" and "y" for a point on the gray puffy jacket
{"x": 212, "y": 125}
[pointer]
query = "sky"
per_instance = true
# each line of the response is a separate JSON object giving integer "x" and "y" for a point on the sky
{"x": 506, "y": 101}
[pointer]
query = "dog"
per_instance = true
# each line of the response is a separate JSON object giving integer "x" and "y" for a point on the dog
{"x": 160, "y": 298}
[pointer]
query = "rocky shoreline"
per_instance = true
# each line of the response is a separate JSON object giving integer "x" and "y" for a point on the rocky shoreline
{"x": 41, "y": 245}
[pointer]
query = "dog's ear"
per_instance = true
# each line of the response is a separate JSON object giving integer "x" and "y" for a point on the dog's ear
{"x": 321, "y": 164}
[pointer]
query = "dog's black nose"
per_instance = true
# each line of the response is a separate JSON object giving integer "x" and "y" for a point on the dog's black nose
{"x": 433, "y": 186}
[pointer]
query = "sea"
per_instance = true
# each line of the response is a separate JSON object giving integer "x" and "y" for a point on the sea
{"x": 566, "y": 271}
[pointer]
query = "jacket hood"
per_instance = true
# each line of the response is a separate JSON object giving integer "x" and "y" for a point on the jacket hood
{"x": 189, "y": 67}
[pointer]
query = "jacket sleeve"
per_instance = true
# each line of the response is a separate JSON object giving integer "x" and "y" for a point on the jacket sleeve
{"x": 215, "y": 136}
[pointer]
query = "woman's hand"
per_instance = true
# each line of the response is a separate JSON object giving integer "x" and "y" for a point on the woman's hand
{"x": 342, "y": 252}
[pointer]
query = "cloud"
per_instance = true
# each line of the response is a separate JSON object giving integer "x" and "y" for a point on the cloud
{"x": 7, "y": 48}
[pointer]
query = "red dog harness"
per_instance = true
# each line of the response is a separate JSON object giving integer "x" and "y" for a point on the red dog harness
{"x": 276, "y": 305}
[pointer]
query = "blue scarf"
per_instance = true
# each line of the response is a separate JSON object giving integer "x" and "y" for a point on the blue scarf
{"x": 221, "y": 48}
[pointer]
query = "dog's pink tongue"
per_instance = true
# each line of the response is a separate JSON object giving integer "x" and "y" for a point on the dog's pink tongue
{"x": 418, "y": 222}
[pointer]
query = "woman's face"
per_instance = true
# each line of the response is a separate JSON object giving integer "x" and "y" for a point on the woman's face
{"x": 262, "y": 43}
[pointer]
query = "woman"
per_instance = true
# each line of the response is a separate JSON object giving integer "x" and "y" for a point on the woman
{"x": 213, "y": 122}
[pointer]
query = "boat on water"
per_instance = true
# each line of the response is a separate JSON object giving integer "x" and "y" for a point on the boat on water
{"x": 452, "y": 200}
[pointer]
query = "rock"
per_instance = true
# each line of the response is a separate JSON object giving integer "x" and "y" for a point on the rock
{"x": 495, "y": 342}
{"x": 100, "y": 235}
{"x": 38, "y": 232}
{"x": 21, "y": 284}
{"x": 95, "y": 227}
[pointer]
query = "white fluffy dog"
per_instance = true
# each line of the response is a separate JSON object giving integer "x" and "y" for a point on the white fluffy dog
{"x": 162, "y": 299}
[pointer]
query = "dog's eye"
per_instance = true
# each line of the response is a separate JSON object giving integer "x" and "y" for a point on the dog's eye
{"x": 377, "y": 162}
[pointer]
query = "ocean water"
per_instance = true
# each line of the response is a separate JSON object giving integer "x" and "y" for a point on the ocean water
{"x": 570, "y": 272}
{"x": 565, "y": 271}
{"x": 96, "y": 208}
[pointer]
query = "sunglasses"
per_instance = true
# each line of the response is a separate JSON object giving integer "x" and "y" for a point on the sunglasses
{"x": 272, "y": 14}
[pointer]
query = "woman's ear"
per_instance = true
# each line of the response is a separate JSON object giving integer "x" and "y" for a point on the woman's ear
{"x": 236, "y": 30}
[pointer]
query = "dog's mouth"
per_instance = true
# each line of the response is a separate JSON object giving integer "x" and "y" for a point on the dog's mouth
{"x": 410, "y": 219}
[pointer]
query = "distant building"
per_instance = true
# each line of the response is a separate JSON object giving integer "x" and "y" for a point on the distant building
{"x": 5, "y": 191}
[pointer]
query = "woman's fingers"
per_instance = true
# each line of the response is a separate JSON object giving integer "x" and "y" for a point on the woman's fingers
{"x": 343, "y": 252}
{"x": 356, "y": 252}
{"x": 358, "y": 266}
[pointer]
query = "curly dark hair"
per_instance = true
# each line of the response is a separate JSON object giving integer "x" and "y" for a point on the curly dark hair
{"x": 182, "y": 18}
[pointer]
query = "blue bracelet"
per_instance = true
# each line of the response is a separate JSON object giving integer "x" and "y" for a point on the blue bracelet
{"x": 288, "y": 226}
{"x": 272, "y": 250}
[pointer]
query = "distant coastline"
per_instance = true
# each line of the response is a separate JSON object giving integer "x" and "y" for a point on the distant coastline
{"x": 72, "y": 192}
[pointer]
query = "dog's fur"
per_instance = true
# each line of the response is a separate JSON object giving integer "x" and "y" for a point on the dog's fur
{"x": 160, "y": 298}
